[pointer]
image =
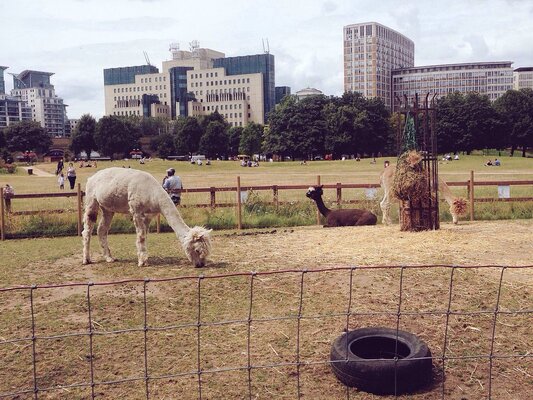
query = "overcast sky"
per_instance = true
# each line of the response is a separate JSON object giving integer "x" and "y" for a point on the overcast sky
{"x": 77, "y": 39}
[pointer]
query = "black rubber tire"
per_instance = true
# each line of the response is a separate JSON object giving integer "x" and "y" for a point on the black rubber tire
{"x": 381, "y": 360}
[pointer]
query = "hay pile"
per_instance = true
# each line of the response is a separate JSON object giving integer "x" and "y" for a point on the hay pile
{"x": 410, "y": 182}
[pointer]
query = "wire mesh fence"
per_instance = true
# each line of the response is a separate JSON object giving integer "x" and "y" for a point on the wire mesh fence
{"x": 264, "y": 334}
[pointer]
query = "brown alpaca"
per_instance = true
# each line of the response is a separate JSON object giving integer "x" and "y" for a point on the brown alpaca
{"x": 348, "y": 217}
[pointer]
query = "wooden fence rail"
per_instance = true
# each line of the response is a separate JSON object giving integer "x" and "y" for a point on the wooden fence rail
{"x": 275, "y": 189}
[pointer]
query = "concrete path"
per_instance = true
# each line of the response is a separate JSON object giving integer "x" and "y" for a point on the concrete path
{"x": 38, "y": 172}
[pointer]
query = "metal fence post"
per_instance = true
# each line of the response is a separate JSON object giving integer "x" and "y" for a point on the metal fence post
{"x": 239, "y": 204}
{"x": 80, "y": 203}
{"x": 471, "y": 191}
{"x": 2, "y": 216}
{"x": 317, "y": 211}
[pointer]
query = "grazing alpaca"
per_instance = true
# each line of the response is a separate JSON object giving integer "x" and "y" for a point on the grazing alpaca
{"x": 457, "y": 204}
{"x": 348, "y": 217}
{"x": 120, "y": 190}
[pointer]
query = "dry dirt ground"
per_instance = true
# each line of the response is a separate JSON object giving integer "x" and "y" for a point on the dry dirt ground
{"x": 271, "y": 321}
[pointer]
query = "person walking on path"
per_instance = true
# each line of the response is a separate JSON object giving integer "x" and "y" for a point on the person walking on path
{"x": 71, "y": 175}
{"x": 60, "y": 167}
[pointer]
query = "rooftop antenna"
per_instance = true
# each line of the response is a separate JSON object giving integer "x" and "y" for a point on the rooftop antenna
{"x": 174, "y": 48}
{"x": 146, "y": 58}
{"x": 194, "y": 46}
{"x": 266, "y": 48}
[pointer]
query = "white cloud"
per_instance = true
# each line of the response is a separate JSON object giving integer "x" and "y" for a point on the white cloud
{"x": 77, "y": 40}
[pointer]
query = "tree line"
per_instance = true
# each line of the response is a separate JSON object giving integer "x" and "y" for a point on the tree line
{"x": 299, "y": 129}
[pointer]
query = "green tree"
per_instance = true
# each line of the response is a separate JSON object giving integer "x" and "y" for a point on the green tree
{"x": 188, "y": 133}
{"x": 214, "y": 141}
{"x": 83, "y": 135}
{"x": 27, "y": 135}
{"x": 164, "y": 145}
{"x": 116, "y": 136}
{"x": 251, "y": 138}
{"x": 153, "y": 126}
{"x": 234, "y": 139}
{"x": 516, "y": 110}
{"x": 278, "y": 130}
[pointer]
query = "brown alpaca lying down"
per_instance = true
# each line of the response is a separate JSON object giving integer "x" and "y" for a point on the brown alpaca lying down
{"x": 347, "y": 217}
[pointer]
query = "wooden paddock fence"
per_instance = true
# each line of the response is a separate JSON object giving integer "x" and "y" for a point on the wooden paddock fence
{"x": 274, "y": 189}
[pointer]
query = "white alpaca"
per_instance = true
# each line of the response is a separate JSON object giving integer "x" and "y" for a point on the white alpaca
{"x": 457, "y": 204}
{"x": 121, "y": 190}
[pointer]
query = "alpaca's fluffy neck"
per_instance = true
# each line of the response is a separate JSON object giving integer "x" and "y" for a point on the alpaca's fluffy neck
{"x": 322, "y": 207}
{"x": 173, "y": 217}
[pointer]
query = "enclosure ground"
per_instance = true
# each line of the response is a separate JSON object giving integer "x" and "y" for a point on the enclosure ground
{"x": 375, "y": 299}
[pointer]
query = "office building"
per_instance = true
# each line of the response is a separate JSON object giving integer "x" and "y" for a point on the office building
{"x": 13, "y": 109}
{"x": 371, "y": 52}
{"x": 2, "y": 81}
{"x": 489, "y": 78}
{"x": 35, "y": 90}
{"x": 195, "y": 83}
{"x": 523, "y": 78}
{"x": 281, "y": 92}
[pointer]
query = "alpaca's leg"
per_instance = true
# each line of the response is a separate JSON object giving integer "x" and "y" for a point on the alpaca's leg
{"x": 140, "y": 227}
{"x": 103, "y": 229}
{"x": 89, "y": 219}
{"x": 385, "y": 209}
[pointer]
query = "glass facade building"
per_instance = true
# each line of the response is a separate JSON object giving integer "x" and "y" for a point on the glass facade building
{"x": 281, "y": 92}
{"x": 126, "y": 75}
{"x": 178, "y": 91}
{"x": 259, "y": 63}
{"x": 2, "y": 81}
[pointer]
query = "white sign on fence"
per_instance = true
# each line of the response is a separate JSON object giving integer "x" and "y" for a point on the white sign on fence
{"x": 504, "y": 192}
{"x": 371, "y": 193}
{"x": 244, "y": 196}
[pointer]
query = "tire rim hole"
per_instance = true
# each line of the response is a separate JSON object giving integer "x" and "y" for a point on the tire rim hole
{"x": 372, "y": 348}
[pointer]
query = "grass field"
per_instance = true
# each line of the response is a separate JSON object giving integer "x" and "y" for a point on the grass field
{"x": 117, "y": 318}
{"x": 298, "y": 211}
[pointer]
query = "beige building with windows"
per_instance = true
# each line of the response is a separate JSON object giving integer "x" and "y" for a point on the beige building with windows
{"x": 371, "y": 52}
{"x": 190, "y": 84}
{"x": 489, "y": 78}
{"x": 523, "y": 78}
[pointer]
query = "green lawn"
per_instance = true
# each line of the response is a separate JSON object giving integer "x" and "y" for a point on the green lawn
{"x": 299, "y": 211}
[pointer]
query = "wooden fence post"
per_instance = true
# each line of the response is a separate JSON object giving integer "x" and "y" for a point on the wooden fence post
{"x": 318, "y": 212}
{"x": 158, "y": 223}
{"x": 339, "y": 195}
{"x": 213, "y": 198}
{"x": 275, "y": 194}
{"x": 239, "y": 205}
{"x": 2, "y": 216}
{"x": 80, "y": 209}
{"x": 471, "y": 192}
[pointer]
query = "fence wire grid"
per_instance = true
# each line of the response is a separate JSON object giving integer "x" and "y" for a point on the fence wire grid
{"x": 476, "y": 338}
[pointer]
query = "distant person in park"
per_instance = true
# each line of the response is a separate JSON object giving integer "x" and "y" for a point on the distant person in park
{"x": 456, "y": 157}
{"x": 71, "y": 175}
{"x": 9, "y": 192}
{"x": 497, "y": 162}
{"x": 386, "y": 163}
{"x": 171, "y": 183}
{"x": 60, "y": 166}
{"x": 488, "y": 163}
{"x": 61, "y": 180}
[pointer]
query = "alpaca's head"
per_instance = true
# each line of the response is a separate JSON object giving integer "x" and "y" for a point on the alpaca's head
{"x": 314, "y": 192}
{"x": 197, "y": 245}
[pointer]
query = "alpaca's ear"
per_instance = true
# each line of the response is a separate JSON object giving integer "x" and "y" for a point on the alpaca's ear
{"x": 321, "y": 186}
